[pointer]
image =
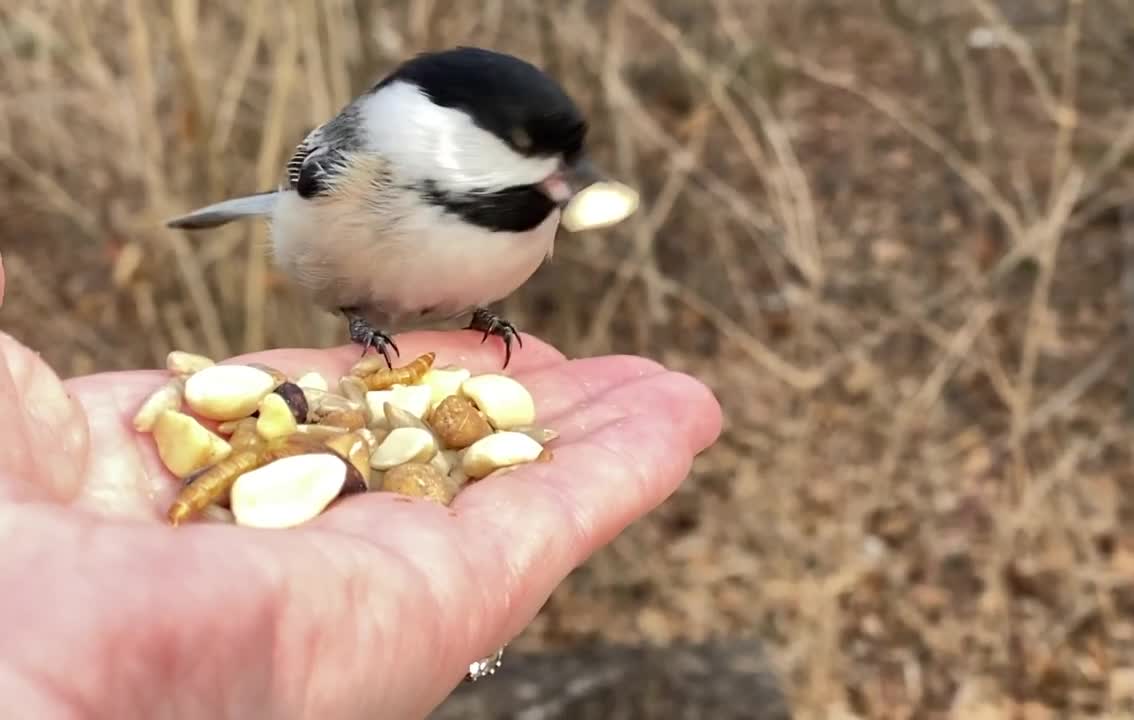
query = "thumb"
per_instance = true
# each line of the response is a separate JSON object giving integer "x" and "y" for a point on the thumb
{"x": 45, "y": 442}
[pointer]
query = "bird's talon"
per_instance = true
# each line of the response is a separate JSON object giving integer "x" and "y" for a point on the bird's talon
{"x": 492, "y": 324}
{"x": 361, "y": 332}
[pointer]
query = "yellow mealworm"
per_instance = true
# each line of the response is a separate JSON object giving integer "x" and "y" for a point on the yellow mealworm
{"x": 211, "y": 484}
{"x": 407, "y": 375}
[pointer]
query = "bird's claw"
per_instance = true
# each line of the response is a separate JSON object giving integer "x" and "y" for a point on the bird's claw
{"x": 490, "y": 323}
{"x": 363, "y": 333}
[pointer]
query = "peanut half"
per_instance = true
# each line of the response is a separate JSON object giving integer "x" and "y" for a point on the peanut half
{"x": 499, "y": 450}
{"x": 403, "y": 445}
{"x": 287, "y": 492}
{"x": 185, "y": 445}
{"x": 227, "y": 392}
{"x": 505, "y": 402}
{"x": 184, "y": 364}
{"x": 276, "y": 419}
{"x": 414, "y": 399}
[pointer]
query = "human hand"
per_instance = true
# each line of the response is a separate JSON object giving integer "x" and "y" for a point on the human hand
{"x": 372, "y": 610}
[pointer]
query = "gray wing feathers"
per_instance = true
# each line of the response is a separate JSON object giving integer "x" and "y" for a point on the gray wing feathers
{"x": 226, "y": 211}
{"x": 315, "y": 161}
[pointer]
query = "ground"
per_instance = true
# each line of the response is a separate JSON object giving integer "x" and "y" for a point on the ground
{"x": 891, "y": 236}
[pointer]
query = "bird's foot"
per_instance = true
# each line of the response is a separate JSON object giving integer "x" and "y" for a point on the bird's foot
{"x": 490, "y": 323}
{"x": 363, "y": 333}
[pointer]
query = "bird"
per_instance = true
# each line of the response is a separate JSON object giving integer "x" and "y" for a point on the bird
{"x": 433, "y": 194}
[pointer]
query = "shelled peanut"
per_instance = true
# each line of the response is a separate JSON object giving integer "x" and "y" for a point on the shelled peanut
{"x": 276, "y": 452}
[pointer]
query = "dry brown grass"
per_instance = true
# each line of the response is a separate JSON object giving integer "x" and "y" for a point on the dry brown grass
{"x": 898, "y": 258}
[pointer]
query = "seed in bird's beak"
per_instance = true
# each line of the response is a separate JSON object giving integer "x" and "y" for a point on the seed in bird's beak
{"x": 600, "y": 205}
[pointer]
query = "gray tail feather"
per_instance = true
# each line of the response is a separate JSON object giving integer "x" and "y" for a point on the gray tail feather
{"x": 226, "y": 211}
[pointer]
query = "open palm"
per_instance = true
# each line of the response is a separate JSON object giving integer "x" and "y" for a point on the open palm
{"x": 373, "y": 610}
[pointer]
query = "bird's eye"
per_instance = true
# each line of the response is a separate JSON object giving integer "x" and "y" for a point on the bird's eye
{"x": 521, "y": 139}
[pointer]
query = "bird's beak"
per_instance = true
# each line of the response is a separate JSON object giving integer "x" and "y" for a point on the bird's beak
{"x": 569, "y": 180}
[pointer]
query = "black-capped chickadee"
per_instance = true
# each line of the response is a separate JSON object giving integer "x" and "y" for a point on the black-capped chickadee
{"x": 434, "y": 194}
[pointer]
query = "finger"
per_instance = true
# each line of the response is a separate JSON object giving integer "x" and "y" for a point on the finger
{"x": 45, "y": 439}
{"x": 565, "y": 386}
{"x": 125, "y": 476}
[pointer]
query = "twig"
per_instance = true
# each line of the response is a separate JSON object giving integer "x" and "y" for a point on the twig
{"x": 645, "y": 229}
{"x": 791, "y": 196}
{"x": 1024, "y": 54}
{"x": 1049, "y": 235}
{"x": 1066, "y": 116}
{"x": 970, "y": 174}
{"x": 22, "y": 280}
{"x": 1126, "y": 237}
{"x": 267, "y": 172}
{"x": 237, "y": 76}
{"x": 919, "y": 405}
{"x": 146, "y": 106}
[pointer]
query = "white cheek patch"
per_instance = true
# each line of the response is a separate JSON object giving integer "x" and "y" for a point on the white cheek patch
{"x": 427, "y": 142}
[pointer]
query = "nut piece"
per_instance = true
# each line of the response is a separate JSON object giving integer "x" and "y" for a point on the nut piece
{"x": 289, "y": 491}
{"x": 355, "y": 448}
{"x": 506, "y": 402}
{"x": 313, "y": 380}
{"x": 444, "y": 382}
{"x": 185, "y": 363}
{"x": 185, "y": 445}
{"x": 420, "y": 480}
{"x": 396, "y": 418}
{"x": 355, "y": 482}
{"x": 320, "y": 403}
{"x": 353, "y": 388}
{"x": 601, "y": 204}
{"x": 445, "y": 460}
{"x": 277, "y": 375}
{"x": 499, "y": 450}
{"x": 458, "y": 477}
{"x": 246, "y": 436}
{"x": 349, "y": 419}
{"x": 403, "y": 445}
{"x": 367, "y": 366}
{"x": 321, "y": 431}
{"x": 276, "y": 419}
{"x": 227, "y": 392}
{"x": 458, "y": 423}
{"x": 228, "y": 427}
{"x": 217, "y": 514}
{"x": 296, "y": 400}
{"x": 166, "y": 397}
{"x": 414, "y": 399}
{"x": 371, "y": 438}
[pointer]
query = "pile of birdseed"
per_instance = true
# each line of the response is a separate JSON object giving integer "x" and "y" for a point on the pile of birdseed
{"x": 255, "y": 447}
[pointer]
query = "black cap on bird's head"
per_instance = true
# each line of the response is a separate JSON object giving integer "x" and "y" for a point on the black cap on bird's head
{"x": 515, "y": 101}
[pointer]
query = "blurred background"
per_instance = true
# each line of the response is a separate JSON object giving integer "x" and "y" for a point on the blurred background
{"x": 892, "y": 235}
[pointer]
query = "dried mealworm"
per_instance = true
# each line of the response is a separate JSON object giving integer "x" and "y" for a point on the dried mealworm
{"x": 406, "y": 375}
{"x": 211, "y": 484}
